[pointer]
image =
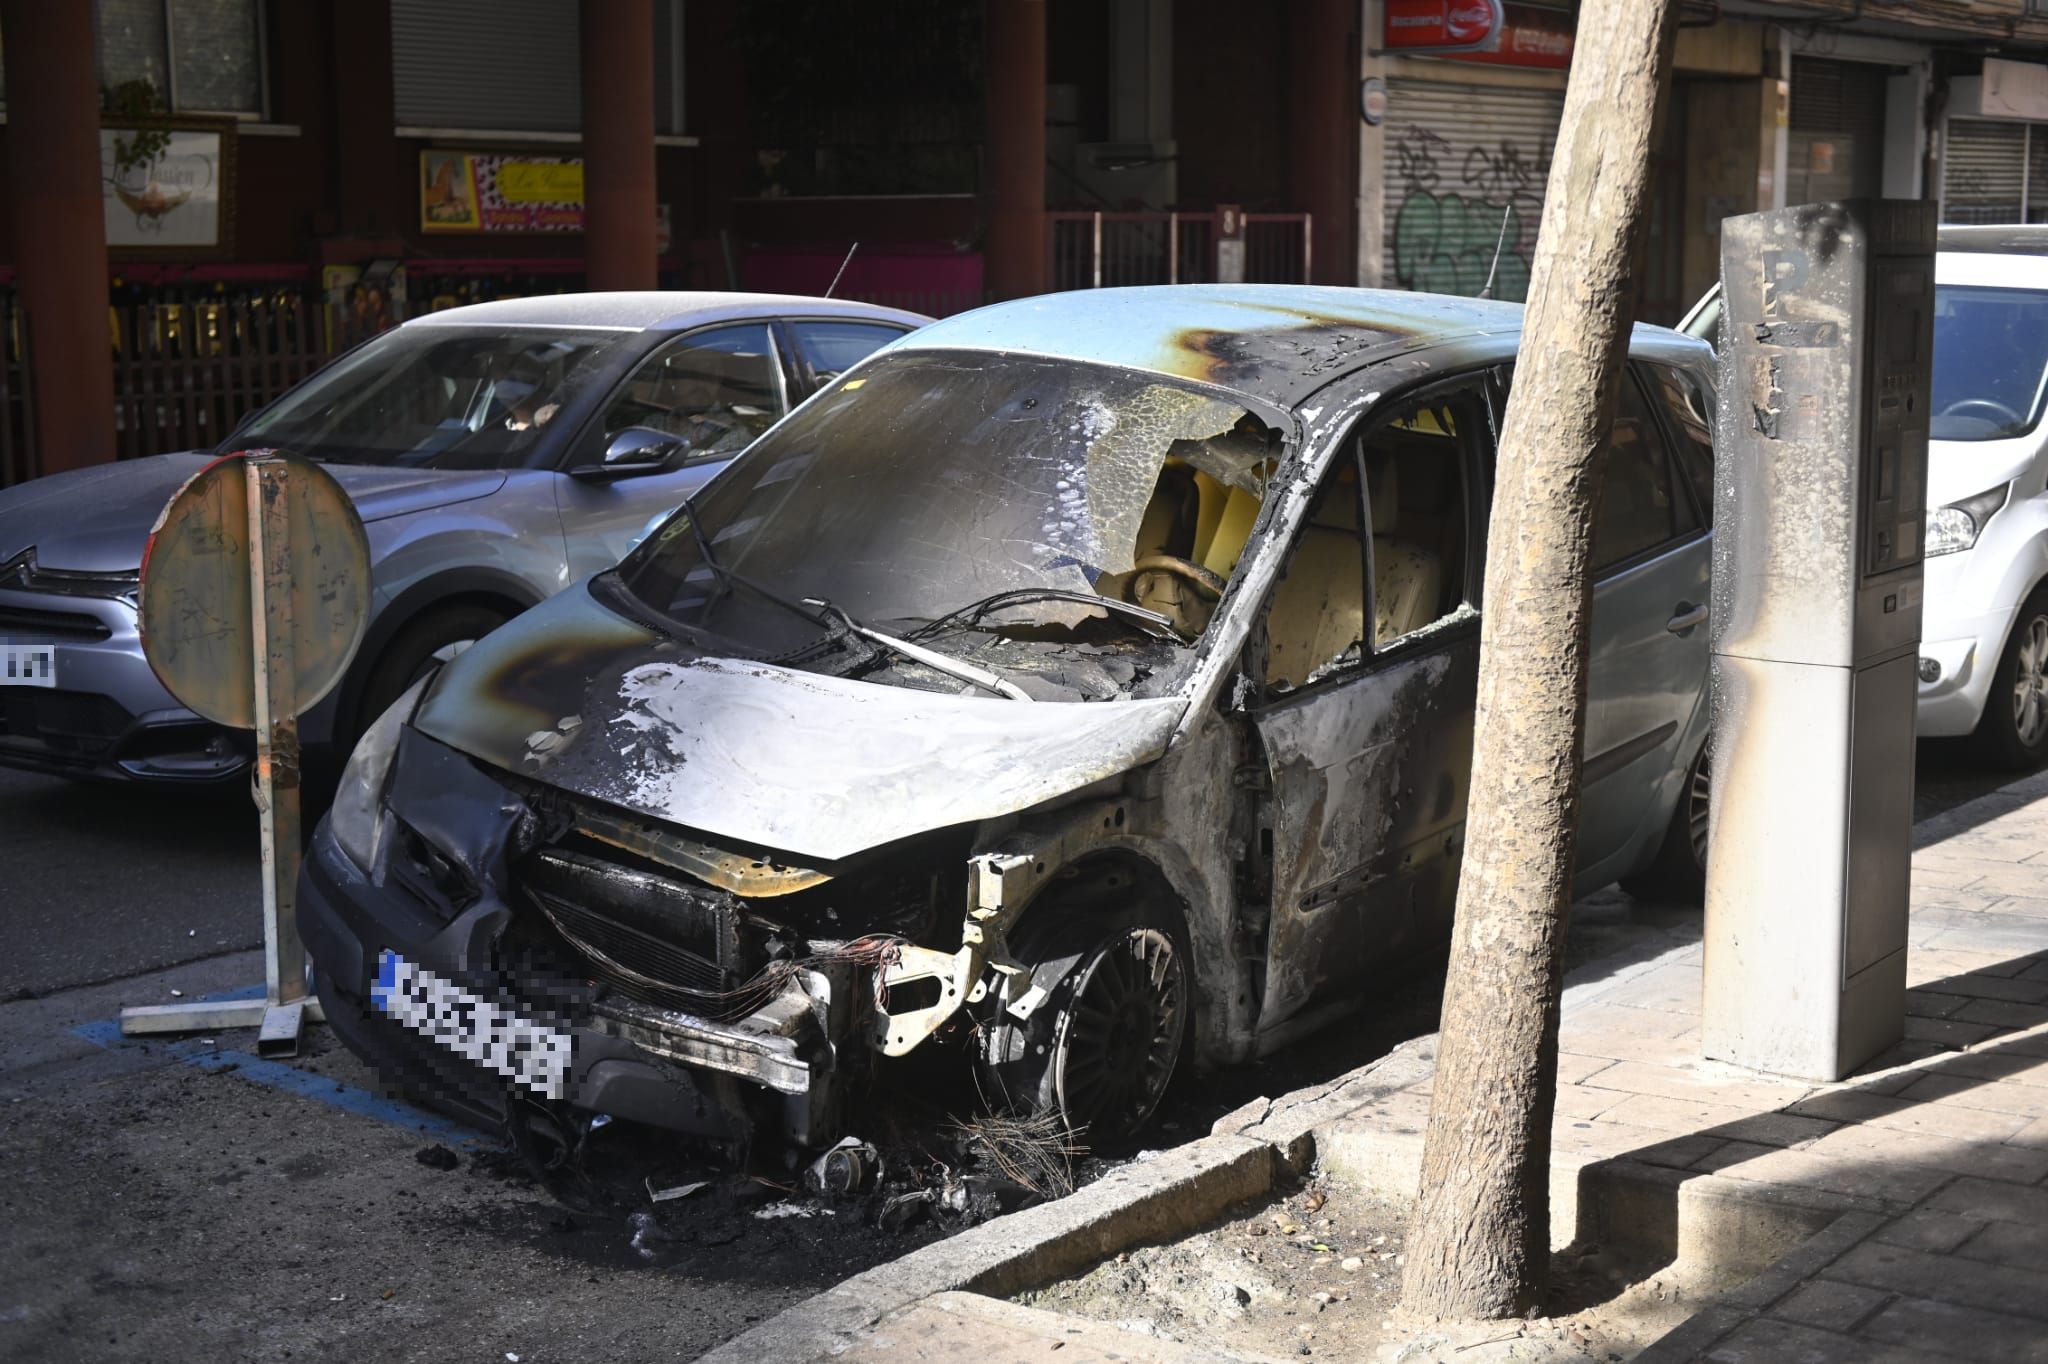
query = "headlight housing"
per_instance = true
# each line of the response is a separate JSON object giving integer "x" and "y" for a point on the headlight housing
{"x": 357, "y": 815}
{"x": 1956, "y": 527}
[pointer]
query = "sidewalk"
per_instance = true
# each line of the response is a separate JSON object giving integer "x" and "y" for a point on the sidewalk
{"x": 1900, "y": 1215}
{"x": 1919, "y": 1180}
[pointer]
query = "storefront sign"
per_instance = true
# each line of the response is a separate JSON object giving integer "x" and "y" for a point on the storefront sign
{"x": 1528, "y": 37}
{"x": 1416, "y": 26}
{"x": 167, "y": 188}
{"x": 486, "y": 192}
{"x": 2013, "y": 90}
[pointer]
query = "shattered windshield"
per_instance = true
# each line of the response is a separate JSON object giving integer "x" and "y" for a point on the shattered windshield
{"x": 433, "y": 396}
{"x": 968, "y": 499}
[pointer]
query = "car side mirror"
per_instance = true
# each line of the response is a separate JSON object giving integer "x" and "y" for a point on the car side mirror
{"x": 633, "y": 451}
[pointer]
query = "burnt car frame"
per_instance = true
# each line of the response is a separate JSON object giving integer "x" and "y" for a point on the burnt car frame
{"x": 1085, "y": 683}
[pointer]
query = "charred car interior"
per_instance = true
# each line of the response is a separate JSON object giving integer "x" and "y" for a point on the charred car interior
{"x": 1085, "y": 715}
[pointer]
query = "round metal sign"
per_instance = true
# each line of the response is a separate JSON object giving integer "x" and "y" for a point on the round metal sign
{"x": 259, "y": 560}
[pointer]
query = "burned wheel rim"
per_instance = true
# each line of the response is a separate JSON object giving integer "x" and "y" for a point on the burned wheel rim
{"x": 2030, "y": 684}
{"x": 1698, "y": 803}
{"x": 1120, "y": 1034}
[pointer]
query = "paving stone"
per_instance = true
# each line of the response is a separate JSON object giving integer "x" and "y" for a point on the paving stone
{"x": 2032, "y": 906}
{"x": 1975, "y": 899}
{"x": 1858, "y": 1141}
{"x": 1829, "y": 1305}
{"x": 1673, "y": 988}
{"x": 1992, "y": 1202}
{"x": 1925, "y": 1003}
{"x": 1947, "y": 875}
{"x": 1927, "y": 1229}
{"x": 2003, "y": 1013}
{"x": 2028, "y": 879}
{"x": 1776, "y": 1129}
{"x": 1577, "y": 1102}
{"x": 1903, "y": 1115}
{"x": 1946, "y": 1278}
{"x": 1989, "y": 845}
{"x": 2034, "y": 1133}
{"x": 1861, "y": 1177}
{"x": 2011, "y": 1243}
{"x": 1675, "y": 1115}
{"x": 1938, "y": 1327}
{"x": 1982, "y": 985}
{"x": 1730, "y": 1153}
{"x": 1955, "y": 1033}
{"x": 1573, "y": 1068}
{"x": 1767, "y": 1341}
{"x": 1981, "y": 933}
{"x": 1622, "y": 1046}
{"x": 1997, "y": 1063}
{"x": 1605, "y": 1139}
{"x": 1927, "y": 964}
{"x": 1964, "y": 1091}
{"x": 1712, "y": 1083}
{"x": 1601, "y": 1018}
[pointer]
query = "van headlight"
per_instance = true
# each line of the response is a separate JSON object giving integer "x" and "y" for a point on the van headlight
{"x": 357, "y": 816}
{"x": 1956, "y": 527}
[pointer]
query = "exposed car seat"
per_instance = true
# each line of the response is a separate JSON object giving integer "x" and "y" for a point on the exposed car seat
{"x": 1318, "y": 610}
{"x": 1407, "y": 579}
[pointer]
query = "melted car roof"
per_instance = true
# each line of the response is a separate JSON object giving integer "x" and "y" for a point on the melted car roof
{"x": 1279, "y": 342}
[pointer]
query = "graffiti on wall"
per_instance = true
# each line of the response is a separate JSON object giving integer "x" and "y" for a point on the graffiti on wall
{"x": 1456, "y": 209}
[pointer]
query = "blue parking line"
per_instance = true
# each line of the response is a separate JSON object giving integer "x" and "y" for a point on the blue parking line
{"x": 203, "y": 1055}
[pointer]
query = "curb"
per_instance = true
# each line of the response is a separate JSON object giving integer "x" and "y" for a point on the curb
{"x": 1162, "y": 1197}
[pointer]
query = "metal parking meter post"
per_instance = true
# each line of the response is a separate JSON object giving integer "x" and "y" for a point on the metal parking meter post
{"x": 1819, "y": 510}
{"x": 255, "y": 592}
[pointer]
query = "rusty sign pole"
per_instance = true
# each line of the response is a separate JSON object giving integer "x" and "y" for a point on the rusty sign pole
{"x": 254, "y": 597}
{"x": 277, "y": 751}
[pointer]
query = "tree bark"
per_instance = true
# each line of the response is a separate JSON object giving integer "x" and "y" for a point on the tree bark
{"x": 1478, "y": 1243}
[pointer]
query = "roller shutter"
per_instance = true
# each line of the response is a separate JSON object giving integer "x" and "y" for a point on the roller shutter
{"x": 1984, "y": 172}
{"x": 1461, "y": 162}
{"x": 1835, "y": 147}
{"x": 512, "y": 64}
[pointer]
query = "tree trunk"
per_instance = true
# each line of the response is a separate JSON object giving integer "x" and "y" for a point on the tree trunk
{"x": 1478, "y": 1244}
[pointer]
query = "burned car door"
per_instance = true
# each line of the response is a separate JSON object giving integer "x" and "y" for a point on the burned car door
{"x": 1365, "y": 719}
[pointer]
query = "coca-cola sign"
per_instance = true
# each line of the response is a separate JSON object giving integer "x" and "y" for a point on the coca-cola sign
{"x": 1441, "y": 25}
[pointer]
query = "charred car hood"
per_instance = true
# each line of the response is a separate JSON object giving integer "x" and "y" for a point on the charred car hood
{"x": 817, "y": 767}
{"x": 95, "y": 520}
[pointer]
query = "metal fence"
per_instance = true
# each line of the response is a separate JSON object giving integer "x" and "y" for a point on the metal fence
{"x": 1104, "y": 250}
{"x": 188, "y": 369}
{"x": 17, "y": 403}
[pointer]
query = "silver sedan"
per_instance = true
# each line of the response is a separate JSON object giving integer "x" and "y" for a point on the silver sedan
{"x": 497, "y": 453}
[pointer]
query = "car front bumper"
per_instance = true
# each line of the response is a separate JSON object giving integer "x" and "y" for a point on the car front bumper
{"x": 106, "y": 716}
{"x": 627, "y": 1059}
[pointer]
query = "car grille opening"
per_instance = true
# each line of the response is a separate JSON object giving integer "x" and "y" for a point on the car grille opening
{"x": 654, "y": 938}
{"x": 63, "y": 624}
{"x": 72, "y": 726}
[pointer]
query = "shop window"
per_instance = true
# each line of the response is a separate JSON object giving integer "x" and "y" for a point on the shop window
{"x": 199, "y": 56}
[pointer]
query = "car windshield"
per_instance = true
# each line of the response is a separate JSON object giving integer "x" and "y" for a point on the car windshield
{"x": 1990, "y": 361}
{"x": 931, "y": 481}
{"x": 434, "y": 396}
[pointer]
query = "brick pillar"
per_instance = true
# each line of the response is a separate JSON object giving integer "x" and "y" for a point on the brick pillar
{"x": 1322, "y": 131}
{"x": 1013, "y": 62}
{"x": 60, "y": 235}
{"x": 618, "y": 143}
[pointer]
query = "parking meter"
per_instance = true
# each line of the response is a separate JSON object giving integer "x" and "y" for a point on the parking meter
{"x": 1819, "y": 506}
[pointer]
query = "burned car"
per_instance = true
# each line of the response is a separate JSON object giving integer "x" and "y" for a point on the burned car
{"x": 1084, "y": 684}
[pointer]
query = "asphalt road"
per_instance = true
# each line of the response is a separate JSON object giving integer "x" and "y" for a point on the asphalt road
{"x": 180, "y": 1200}
{"x": 102, "y": 882}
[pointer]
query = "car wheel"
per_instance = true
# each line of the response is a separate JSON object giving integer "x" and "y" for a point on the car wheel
{"x": 2013, "y": 732}
{"x": 431, "y": 639}
{"x": 1680, "y": 871}
{"x": 1101, "y": 1048}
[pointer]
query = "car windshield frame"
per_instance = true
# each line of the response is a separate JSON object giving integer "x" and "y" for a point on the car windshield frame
{"x": 1970, "y": 368}
{"x": 514, "y": 393}
{"x": 937, "y": 454}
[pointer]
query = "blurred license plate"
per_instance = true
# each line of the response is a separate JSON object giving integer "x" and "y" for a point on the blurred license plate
{"x": 28, "y": 665}
{"x": 524, "y": 1052}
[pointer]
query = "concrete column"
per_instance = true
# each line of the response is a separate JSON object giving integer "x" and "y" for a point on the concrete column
{"x": 60, "y": 234}
{"x": 1013, "y": 48}
{"x": 618, "y": 143}
{"x": 1322, "y": 137}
